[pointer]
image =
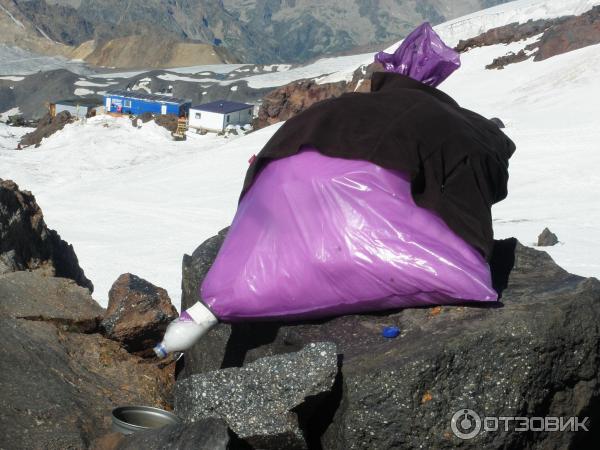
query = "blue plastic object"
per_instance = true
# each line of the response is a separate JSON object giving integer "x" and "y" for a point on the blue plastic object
{"x": 390, "y": 332}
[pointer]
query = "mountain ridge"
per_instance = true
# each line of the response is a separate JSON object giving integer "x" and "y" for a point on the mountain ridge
{"x": 249, "y": 31}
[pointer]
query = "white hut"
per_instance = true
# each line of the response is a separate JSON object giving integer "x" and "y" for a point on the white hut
{"x": 216, "y": 116}
{"x": 80, "y": 107}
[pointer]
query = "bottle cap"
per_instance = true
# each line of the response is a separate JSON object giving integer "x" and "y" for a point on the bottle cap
{"x": 200, "y": 314}
{"x": 160, "y": 351}
{"x": 390, "y": 332}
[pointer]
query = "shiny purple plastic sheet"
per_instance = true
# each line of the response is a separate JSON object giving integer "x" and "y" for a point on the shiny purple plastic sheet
{"x": 317, "y": 236}
{"x": 422, "y": 56}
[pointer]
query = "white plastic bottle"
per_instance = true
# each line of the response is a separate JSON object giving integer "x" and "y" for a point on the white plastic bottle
{"x": 186, "y": 330}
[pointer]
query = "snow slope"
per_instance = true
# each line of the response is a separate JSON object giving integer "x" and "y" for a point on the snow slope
{"x": 550, "y": 110}
{"x": 132, "y": 200}
{"x": 472, "y": 25}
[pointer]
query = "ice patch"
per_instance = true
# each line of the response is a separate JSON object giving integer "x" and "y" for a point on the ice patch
{"x": 83, "y": 91}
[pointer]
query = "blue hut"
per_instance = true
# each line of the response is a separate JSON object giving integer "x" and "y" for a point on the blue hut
{"x": 130, "y": 102}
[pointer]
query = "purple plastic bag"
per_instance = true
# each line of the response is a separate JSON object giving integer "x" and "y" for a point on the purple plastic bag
{"x": 422, "y": 56}
{"x": 317, "y": 236}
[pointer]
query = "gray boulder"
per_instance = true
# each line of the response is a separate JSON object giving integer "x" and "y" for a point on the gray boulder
{"x": 195, "y": 267}
{"x": 264, "y": 402}
{"x": 547, "y": 238}
{"x": 33, "y": 296}
{"x": 207, "y": 434}
{"x": 534, "y": 353}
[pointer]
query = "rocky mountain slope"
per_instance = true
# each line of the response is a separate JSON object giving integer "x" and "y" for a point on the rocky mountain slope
{"x": 56, "y": 28}
{"x": 64, "y": 368}
{"x": 255, "y": 31}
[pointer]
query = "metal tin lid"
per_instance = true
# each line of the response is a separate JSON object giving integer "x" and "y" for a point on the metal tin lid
{"x": 129, "y": 419}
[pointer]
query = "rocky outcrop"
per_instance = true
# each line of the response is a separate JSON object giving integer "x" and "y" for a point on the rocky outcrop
{"x": 137, "y": 315}
{"x": 510, "y": 58}
{"x": 26, "y": 243}
{"x": 265, "y": 402}
{"x": 60, "y": 378}
{"x": 535, "y": 353}
{"x": 547, "y": 238}
{"x": 573, "y": 33}
{"x": 293, "y": 98}
{"x": 361, "y": 78}
{"x": 513, "y": 32}
{"x": 33, "y": 296}
{"x": 47, "y": 126}
{"x": 559, "y": 35}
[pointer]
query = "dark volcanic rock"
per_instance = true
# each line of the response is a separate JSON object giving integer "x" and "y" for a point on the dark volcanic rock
{"x": 547, "y": 238}
{"x": 138, "y": 313}
{"x": 60, "y": 378}
{"x": 30, "y": 295}
{"x": 261, "y": 401}
{"x": 206, "y": 434}
{"x": 26, "y": 243}
{"x": 47, "y": 126}
{"x": 537, "y": 353}
{"x": 194, "y": 269}
{"x": 58, "y": 384}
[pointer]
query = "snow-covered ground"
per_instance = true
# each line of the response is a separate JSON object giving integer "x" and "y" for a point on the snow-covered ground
{"x": 550, "y": 109}
{"x": 518, "y": 11}
{"x": 132, "y": 200}
{"x": 327, "y": 70}
{"x": 200, "y": 70}
{"x": 340, "y": 65}
{"x": 11, "y": 112}
{"x": 9, "y": 137}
